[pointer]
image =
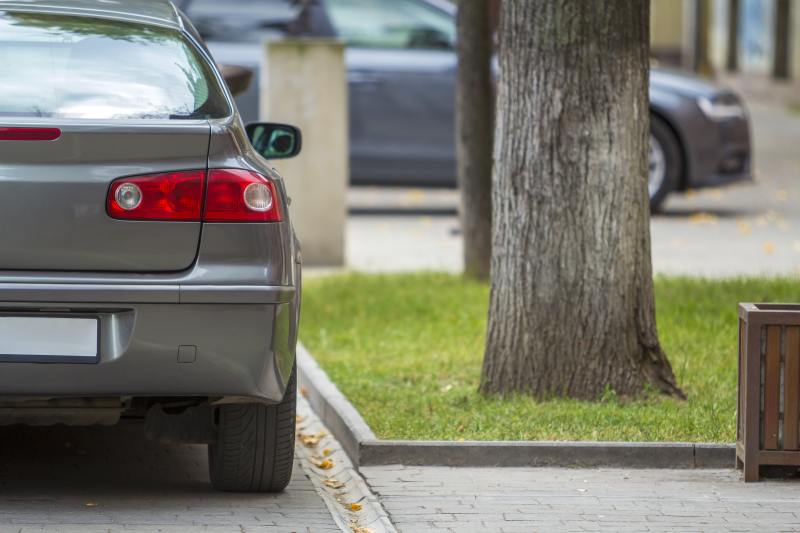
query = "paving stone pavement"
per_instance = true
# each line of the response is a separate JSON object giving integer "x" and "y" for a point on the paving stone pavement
{"x": 87, "y": 480}
{"x": 511, "y": 500}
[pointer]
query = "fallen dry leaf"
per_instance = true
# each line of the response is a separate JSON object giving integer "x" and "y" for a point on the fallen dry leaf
{"x": 304, "y": 392}
{"x": 359, "y": 529}
{"x": 325, "y": 464}
{"x": 353, "y": 506}
{"x": 768, "y": 248}
{"x": 744, "y": 227}
{"x": 333, "y": 484}
{"x": 311, "y": 441}
{"x": 298, "y": 419}
{"x": 703, "y": 218}
{"x": 326, "y": 452}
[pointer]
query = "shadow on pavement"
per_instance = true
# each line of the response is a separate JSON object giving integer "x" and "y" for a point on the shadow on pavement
{"x": 717, "y": 212}
{"x": 404, "y": 211}
{"x": 57, "y": 461}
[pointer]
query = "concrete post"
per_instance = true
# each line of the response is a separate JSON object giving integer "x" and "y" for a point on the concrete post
{"x": 304, "y": 83}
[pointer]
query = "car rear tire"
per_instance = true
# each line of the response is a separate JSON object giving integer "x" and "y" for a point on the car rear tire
{"x": 666, "y": 162}
{"x": 254, "y": 447}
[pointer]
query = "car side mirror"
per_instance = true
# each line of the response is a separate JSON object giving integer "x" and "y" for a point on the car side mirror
{"x": 237, "y": 78}
{"x": 274, "y": 141}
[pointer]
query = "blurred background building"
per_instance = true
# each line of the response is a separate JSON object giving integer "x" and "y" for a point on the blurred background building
{"x": 754, "y": 38}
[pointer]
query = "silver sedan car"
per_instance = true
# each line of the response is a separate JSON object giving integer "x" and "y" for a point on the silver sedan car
{"x": 148, "y": 265}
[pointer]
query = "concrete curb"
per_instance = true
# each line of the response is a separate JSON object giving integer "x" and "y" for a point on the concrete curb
{"x": 364, "y": 449}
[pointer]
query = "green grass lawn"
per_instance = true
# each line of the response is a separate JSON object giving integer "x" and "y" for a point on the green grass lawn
{"x": 407, "y": 350}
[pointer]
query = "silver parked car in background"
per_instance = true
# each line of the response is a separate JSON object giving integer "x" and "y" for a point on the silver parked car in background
{"x": 148, "y": 266}
{"x": 401, "y": 72}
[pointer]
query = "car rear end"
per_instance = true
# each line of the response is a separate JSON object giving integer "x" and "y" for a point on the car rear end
{"x": 147, "y": 263}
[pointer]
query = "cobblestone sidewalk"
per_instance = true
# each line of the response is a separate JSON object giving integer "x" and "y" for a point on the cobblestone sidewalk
{"x": 424, "y": 499}
{"x": 91, "y": 480}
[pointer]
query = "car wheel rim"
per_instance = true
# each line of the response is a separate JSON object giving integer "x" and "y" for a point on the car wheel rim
{"x": 658, "y": 167}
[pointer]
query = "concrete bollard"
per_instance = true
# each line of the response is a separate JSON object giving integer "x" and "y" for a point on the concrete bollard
{"x": 304, "y": 83}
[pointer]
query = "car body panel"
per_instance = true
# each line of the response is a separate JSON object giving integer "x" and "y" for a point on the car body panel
{"x": 52, "y": 193}
{"x": 708, "y": 145}
{"x": 228, "y": 292}
{"x": 402, "y": 109}
{"x": 139, "y": 11}
{"x": 139, "y": 346}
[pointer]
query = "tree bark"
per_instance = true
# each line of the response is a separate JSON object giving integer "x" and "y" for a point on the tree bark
{"x": 475, "y": 128}
{"x": 572, "y": 308}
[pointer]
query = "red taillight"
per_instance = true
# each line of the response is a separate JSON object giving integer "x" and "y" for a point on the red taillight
{"x": 29, "y": 134}
{"x": 170, "y": 196}
{"x": 236, "y": 195}
{"x": 231, "y": 195}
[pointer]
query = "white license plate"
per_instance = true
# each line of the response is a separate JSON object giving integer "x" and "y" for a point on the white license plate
{"x": 49, "y": 339}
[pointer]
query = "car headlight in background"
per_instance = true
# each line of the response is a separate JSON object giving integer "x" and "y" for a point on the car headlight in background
{"x": 721, "y": 106}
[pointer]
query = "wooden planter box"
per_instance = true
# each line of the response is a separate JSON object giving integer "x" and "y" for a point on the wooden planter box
{"x": 769, "y": 387}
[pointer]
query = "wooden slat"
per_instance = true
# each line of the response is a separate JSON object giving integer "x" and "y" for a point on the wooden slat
{"x": 772, "y": 387}
{"x": 752, "y": 401}
{"x": 779, "y": 457}
{"x": 740, "y": 396}
{"x": 791, "y": 389}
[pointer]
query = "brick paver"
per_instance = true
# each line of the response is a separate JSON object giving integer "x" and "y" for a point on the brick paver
{"x": 95, "y": 479}
{"x": 421, "y": 499}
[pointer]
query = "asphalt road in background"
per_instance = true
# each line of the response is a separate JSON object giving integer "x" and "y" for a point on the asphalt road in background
{"x": 747, "y": 229}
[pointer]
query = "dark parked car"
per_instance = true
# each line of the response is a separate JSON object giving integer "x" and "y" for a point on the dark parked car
{"x": 401, "y": 70}
{"x": 148, "y": 265}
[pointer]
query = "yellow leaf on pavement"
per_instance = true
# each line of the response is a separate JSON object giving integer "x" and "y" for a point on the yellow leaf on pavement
{"x": 326, "y": 464}
{"x": 703, "y": 218}
{"x": 311, "y": 441}
{"x": 744, "y": 227}
{"x": 326, "y": 452}
{"x": 353, "y": 506}
{"x": 333, "y": 484}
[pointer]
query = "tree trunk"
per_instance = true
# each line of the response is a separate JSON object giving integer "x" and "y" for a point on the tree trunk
{"x": 783, "y": 44}
{"x": 475, "y": 128}
{"x": 572, "y": 308}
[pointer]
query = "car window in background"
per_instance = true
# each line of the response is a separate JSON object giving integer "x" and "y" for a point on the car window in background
{"x": 391, "y": 24}
{"x": 86, "y": 68}
{"x": 242, "y": 20}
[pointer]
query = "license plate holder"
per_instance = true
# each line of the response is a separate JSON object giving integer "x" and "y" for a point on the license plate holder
{"x": 49, "y": 339}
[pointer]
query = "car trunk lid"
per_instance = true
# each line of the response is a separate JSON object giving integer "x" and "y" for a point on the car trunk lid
{"x": 53, "y": 195}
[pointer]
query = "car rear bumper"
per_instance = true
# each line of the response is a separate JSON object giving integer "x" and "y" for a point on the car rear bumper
{"x": 162, "y": 340}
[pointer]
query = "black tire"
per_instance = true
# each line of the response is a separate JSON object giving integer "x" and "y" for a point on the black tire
{"x": 673, "y": 156}
{"x": 254, "y": 448}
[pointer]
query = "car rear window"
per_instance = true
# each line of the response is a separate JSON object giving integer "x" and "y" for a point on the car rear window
{"x": 89, "y": 68}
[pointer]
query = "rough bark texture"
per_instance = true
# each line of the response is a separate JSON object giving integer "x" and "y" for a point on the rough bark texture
{"x": 475, "y": 128}
{"x": 572, "y": 308}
